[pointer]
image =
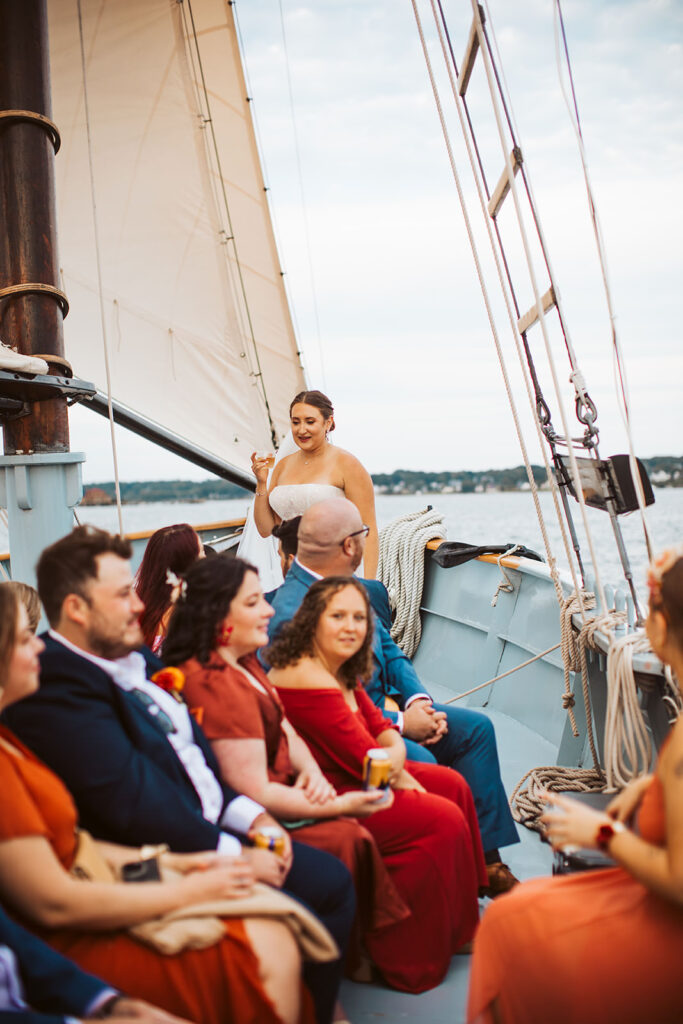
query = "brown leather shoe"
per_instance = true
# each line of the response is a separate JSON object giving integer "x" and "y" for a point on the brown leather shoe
{"x": 501, "y": 880}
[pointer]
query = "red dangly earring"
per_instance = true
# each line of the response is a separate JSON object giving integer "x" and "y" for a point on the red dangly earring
{"x": 223, "y": 636}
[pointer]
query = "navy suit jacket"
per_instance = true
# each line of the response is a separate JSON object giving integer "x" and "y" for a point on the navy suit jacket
{"x": 394, "y": 675}
{"x": 52, "y": 984}
{"x": 129, "y": 784}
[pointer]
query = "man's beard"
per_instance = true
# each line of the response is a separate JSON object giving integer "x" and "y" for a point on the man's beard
{"x": 110, "y": 648}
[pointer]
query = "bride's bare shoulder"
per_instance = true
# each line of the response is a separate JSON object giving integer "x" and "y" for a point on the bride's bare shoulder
{"x": 305, "y": 674}
{"x": 286, "y": 462}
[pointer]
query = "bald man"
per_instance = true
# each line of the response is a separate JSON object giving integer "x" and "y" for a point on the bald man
{"x": 331, "y": 541}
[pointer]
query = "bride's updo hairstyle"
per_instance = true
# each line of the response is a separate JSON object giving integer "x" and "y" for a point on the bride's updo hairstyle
{"x": 203, "y": 601}
{"x": 318, "y": 400}
{"x": 296, "y": 639}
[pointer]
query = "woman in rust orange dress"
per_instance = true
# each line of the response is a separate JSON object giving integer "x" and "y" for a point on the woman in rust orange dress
{"x": 242, "y": 978}
{"x": 429, "y": 836}
{"x": 218, "y": 623}
{"x": 601, "y": 945}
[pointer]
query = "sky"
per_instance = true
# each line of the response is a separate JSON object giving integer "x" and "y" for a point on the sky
{"x": 381, "y": 279}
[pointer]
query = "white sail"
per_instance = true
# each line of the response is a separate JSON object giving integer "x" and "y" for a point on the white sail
{"x": 195, "y": 312}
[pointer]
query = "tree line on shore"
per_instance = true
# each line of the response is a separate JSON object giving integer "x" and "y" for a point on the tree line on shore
{"x": 664, "y": 471}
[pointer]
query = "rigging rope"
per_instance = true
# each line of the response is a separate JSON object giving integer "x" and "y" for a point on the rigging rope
{"x": 401, "y": 568}
{"x": 304, "y": 205}
{"x": 552, "y": 563}
{"x": 627, "y": 744}
{"x": 488, "y": 68}
{"x": 527, "y": 799}
{"x": 98, "y": 263}
{"x": 264, "y": 167}
{"x": 618, "y": 360}
{"x": 204, "y": 112}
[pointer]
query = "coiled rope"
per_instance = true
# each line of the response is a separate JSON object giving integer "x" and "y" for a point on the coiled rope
{"x": 627, "y": 744}
{"x": 628, "y": 748}
{"x": 401, "y": 569}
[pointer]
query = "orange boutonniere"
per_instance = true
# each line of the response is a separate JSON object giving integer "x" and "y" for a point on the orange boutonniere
{"x": 170, "y": 679}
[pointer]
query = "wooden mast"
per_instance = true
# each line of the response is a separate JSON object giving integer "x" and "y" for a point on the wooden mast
{"x": 30, "y": 321}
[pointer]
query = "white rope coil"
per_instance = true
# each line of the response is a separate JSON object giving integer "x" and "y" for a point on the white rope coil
{"x": 401, "y": 569}
{"x": 627, "y": 744}
{"x": 628, "y": 748}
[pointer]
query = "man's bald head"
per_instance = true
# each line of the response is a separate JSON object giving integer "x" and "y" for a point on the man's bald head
{"x": 325, "y": 544}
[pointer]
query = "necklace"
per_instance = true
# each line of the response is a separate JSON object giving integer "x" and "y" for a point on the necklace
{"x": 313, "y": 455}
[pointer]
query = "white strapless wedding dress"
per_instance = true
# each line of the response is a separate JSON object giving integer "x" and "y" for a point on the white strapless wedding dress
{"x": 287, "y": 501}
{"x": 290, "y": 500}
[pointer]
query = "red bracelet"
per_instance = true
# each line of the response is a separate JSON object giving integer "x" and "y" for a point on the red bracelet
{"x": 606, "y": 833}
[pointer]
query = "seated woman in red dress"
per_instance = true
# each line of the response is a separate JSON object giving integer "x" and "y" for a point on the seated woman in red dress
{"x": 601, "y": 945}
{"x": 429, "y": 836}
{"x": 216, "y": 628}
{"x": 250, "y": 976}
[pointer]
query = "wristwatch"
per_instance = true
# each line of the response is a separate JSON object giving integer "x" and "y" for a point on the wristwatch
{"x": 606, "y": 833}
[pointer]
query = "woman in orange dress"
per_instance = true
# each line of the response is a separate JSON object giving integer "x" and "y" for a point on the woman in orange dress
{"x": 428, "y": 836}
{"x": 218, "y": 623}
{"x": 601, "y": 945}
{"x": 251, "y": 975}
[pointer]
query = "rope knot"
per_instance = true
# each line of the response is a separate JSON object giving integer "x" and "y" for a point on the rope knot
{"x": 568, "y": 701}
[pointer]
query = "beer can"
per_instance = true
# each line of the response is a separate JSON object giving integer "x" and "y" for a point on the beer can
{"x": 376, "y": 767}
{"x": 270, "y": 838}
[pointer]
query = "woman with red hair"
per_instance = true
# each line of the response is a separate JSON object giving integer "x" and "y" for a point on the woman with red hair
{"x": 169, "y": 554}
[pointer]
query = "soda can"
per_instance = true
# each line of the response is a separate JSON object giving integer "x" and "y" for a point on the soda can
{"x": 376, "y": 768}
{"x": 270, "y": 838}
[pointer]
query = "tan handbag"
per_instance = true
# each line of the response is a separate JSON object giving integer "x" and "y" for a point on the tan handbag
{"x": 199, "y": 925}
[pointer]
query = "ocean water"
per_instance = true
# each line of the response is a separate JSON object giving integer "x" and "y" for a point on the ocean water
{"x": 491, "y": 518}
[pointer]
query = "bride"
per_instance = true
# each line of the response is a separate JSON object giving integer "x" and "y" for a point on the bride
{"x": 314, "y": 471}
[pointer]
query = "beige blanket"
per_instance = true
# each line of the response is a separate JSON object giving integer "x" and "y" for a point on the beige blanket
{"x": 199, "y": 925}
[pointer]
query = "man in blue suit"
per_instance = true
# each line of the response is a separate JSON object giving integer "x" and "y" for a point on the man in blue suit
{"x": 331, "y": 539}
{"x": 40, "y": 986}
{"x": 136, "y": 763}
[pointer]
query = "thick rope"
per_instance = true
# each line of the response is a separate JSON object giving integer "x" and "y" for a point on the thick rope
{"x": 528, "y": 798}
{"x": 627, "y": 745}
{"x": 401, "y": 569}
{"x": 628, "y": 748}
{"x": 672, "y": 694}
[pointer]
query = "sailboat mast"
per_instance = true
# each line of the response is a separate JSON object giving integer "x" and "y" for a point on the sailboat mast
{"x": 31, "y": 320}
{"x": 40, "y": 479}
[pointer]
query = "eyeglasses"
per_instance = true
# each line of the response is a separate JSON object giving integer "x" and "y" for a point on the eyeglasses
{"x": 365, "y": 530}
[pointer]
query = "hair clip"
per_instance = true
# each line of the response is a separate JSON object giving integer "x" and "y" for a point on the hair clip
{"x": 178, "y": 586}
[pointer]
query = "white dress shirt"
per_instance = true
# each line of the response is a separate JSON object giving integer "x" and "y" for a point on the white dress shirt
{"x": 129, "y": 674}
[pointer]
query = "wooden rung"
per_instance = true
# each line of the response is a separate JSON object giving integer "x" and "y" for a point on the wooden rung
{"x": 469, "y": 58}
{"x": 530, "y": 318}
{"x": 503, "y": 186}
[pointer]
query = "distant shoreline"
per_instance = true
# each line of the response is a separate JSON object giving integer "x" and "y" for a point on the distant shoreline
{"x": 663, "y": 470}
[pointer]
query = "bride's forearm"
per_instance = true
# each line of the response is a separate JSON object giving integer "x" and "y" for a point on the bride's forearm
{"x": 264, "y": 517}
{"x": 371, "y": 556}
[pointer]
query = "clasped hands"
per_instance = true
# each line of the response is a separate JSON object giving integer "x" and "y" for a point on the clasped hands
{"x": 423, "y": 723}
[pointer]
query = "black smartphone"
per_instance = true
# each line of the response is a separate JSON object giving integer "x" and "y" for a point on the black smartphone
{"x": 141, "y": 871}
